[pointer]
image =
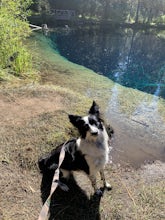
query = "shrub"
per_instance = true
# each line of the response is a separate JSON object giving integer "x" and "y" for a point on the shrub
{"x": 14, "y": 29}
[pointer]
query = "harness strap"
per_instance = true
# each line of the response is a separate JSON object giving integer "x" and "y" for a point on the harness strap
{"x": 45, "y": 209}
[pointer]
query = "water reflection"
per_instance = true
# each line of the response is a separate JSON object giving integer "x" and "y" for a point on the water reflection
{"x": 132, "y": 58}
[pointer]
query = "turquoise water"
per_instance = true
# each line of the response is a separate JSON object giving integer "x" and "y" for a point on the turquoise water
{"x": 133, "y": 58}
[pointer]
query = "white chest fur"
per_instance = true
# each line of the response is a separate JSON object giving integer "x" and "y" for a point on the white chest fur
{"x": 96, "y": 150}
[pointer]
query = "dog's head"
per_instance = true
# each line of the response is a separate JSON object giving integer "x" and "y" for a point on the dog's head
{"x": 90, "y": 125}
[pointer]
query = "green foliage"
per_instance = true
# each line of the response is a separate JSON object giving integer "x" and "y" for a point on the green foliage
{"x": 14, "y": 30}
{"x": 117, "y": 11}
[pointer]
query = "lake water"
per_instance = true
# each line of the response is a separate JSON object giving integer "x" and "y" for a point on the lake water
{"x": 133, "y": 58}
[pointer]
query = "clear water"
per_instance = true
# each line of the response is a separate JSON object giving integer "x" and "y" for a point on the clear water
{"x": 133, "y": 58}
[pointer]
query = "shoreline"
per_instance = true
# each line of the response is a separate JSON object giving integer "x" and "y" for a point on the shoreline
{"x": 134, "y": 143}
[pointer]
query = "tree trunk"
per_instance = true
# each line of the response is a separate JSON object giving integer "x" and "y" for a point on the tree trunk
{"x": 137, "y": 12}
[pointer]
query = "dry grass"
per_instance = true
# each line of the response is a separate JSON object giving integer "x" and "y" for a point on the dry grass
{"x": 19, "y": 192}
{"x": 136, "y": 198}
{"x": 33, "y": 118}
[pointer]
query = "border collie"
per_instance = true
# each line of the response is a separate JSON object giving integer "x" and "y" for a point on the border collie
{"x": 88, "y": 153}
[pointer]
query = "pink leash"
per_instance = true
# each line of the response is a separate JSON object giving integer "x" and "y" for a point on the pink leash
{"x": 45, "y": 209}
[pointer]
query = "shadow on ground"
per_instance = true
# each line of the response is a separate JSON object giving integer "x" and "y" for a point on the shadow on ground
{"x": 71, "y": 205}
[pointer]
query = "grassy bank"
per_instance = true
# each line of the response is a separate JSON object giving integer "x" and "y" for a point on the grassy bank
{"x": 59, "y": 71}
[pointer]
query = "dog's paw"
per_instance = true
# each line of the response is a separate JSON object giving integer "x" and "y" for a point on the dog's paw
{"x": 108, "y": 186}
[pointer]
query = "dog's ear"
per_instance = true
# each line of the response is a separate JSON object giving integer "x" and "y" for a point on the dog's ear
{"x": 74, "y": 119}
{"x": 94, "y": 110}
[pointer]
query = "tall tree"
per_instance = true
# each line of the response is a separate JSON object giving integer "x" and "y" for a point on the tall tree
{"x": 137, "y": 11}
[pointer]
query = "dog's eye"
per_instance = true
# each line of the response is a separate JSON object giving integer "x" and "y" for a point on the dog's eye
{"x": 86, "y": 126}
{"x": 92, "y": 121}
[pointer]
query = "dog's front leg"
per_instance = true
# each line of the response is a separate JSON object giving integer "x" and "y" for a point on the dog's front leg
{"x": 94, "y": 185}
{"x": 106, "y": 185}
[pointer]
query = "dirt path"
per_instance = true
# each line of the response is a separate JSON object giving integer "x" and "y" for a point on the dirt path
{"x": 20, "y": 186}
{"x": 20, "y": 107}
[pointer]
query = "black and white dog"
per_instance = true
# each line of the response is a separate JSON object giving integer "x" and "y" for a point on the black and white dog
{"x": 88, "y": 153}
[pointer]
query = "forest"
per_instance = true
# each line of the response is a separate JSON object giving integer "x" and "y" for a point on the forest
{"x": 117, "y": 11}
{"x": 15, "y": 17}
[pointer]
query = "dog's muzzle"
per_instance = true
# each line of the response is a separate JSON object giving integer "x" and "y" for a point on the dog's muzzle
{"x": 94, "y": 133}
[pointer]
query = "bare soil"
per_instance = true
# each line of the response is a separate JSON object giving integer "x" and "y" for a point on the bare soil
{"x": 28, "y": 118}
